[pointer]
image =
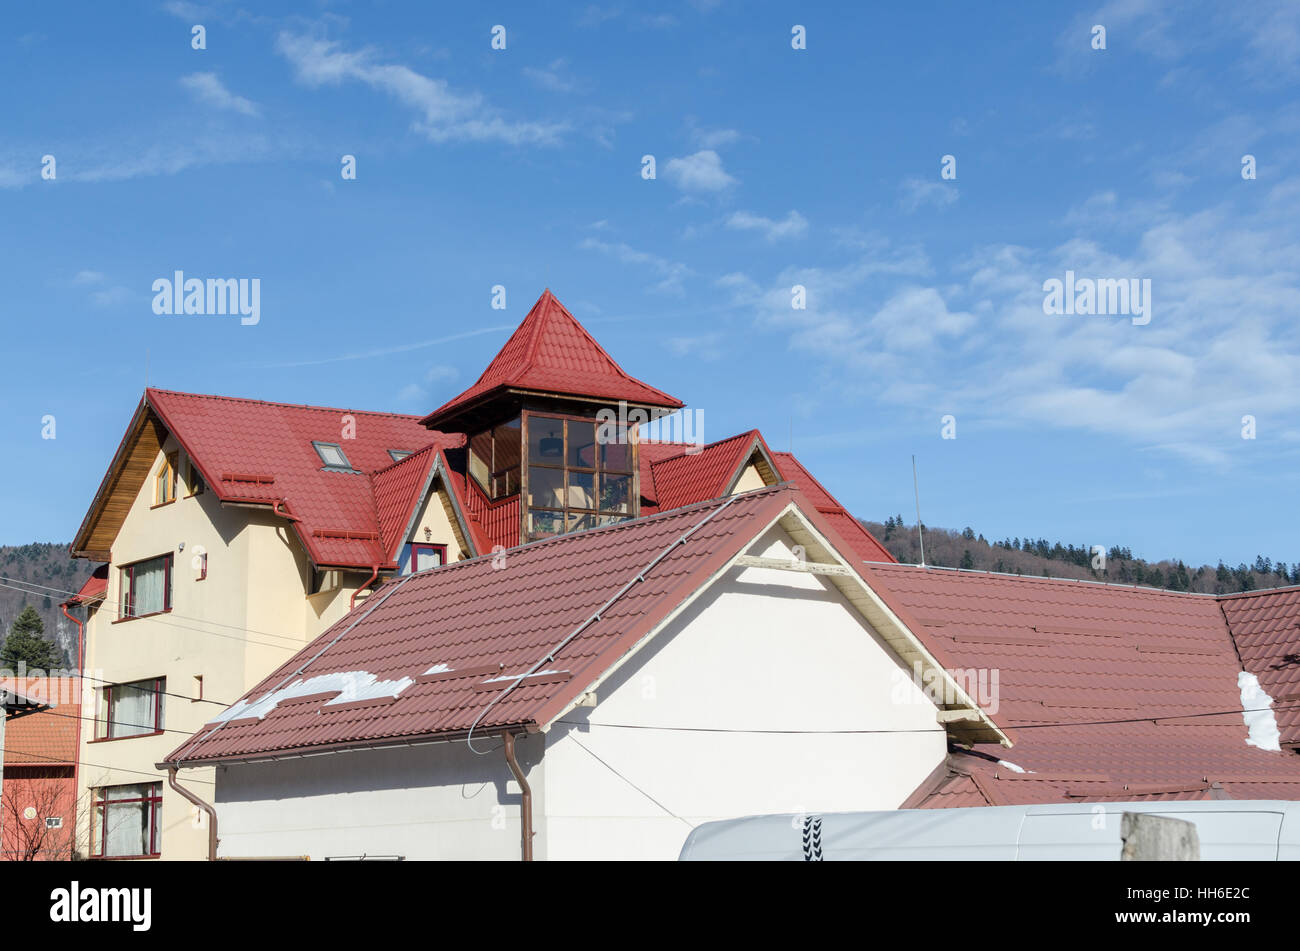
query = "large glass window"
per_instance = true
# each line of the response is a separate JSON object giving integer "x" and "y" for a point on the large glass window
{"x": 147, "y": 587}
{"x": 575, "y": 479}
{"x": 134, "y": 709}
{"x": 124, "y": 820}
{"x": 494, "y": 459}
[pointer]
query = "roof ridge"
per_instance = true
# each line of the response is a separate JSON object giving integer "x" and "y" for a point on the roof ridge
{"x": 247, "y": 399}
{"x": 1052, "y": 579}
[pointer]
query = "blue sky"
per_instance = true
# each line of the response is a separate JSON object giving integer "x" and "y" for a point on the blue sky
{"x": 775, "y": 167}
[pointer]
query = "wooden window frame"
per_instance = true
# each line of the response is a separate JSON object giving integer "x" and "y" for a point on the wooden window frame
{"x": 169, "y": 469}
{"x": 598, "y": 472}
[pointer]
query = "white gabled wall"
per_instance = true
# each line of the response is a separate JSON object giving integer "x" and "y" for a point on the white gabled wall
{"x": 762, "y": 650}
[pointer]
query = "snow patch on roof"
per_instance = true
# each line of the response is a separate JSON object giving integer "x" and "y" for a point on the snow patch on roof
{"x": 438, "y": 669}
{"x": 351, "y": 685}
{"x": 1013, "y": 767}
{"x": 1256, "y": 710}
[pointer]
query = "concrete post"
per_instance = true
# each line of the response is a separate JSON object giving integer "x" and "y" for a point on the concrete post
{"x": 1151, "y": 838}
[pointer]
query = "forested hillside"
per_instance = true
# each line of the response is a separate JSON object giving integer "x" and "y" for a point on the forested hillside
{"x": 1038, "y": 556}
{"x": 37, "y": 568}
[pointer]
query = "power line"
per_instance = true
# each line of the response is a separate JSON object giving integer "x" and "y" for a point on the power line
{"x": 183, "y": 627}
{"x": 632, "y": 784}
{"x": 118, "y": 605}
{"x": 116, "y": 769}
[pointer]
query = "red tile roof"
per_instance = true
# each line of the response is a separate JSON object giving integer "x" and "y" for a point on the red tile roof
{"x": 683, "y": 474}
{"x": 1266, "y": 628}
{"x": 1106, "y": 689}
{"x": 254, "y": 451}
{"x": 550, "y": 352}
{"x": 49, "y": 737}
{"x": 476, "y": 620}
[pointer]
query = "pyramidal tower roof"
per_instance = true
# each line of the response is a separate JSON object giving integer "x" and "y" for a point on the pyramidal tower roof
{"x": 551, "y": 353}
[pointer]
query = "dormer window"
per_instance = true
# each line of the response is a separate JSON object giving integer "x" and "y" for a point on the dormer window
{"x": 397, "y": 455}
{"x": 332, "y": 455}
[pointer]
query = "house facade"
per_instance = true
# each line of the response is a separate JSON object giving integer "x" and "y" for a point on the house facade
{"x": 591, "y": 696}
{"x": 233, "y": 532}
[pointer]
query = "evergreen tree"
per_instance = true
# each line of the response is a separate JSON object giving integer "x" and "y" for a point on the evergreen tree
{"x": 26, "y": 642}
{"x": 966, "y": 560}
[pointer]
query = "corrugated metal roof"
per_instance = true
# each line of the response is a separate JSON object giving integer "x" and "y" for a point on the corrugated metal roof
{"x": 1099, "y": 684}
{"x": 486, "y": 618}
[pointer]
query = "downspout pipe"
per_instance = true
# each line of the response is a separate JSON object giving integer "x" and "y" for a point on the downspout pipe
{"x": 525, "y": 802}
{"x": 212, "y": 813}
{"x": 373, "y": 575}
{"x": 76, "y": 767}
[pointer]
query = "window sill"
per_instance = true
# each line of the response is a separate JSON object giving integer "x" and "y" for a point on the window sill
{"x": 124, "y": 858}
{"x": 158, "y": 505}
{"x": 133, "y": 736}
{"x": 140, "y": 617}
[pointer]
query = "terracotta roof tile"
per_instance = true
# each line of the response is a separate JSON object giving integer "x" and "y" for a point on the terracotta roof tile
{"x": 550, "y": 352}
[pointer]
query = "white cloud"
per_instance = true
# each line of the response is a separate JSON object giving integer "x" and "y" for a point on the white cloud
{"x": 1223, "y": 341}
{"x": 208, "y": 88}
{"x": 794, "y": 225}
{"x": 88, "y": 277}
{"x": 916, "y": 192}
{"x": 702, "y": 171}
{"x": 445, "y": 114}
{"x": 671, "y": 274}
{"x": 553, "y": 77}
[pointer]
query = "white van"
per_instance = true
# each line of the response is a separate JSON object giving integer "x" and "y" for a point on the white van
{"x": 1258, "y": 829}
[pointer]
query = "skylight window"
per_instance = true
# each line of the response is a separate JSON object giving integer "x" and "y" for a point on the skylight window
{"x": 332, "y": 455}
{"x": 398, "y": 454}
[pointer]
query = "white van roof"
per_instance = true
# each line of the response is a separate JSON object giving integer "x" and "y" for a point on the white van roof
{"x": 1227, "y": 829}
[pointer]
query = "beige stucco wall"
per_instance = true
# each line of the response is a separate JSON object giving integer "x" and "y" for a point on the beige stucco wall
{"x": 232, "y": 628}
{"x": 749, "y": 479}
{"x": 248, "y": 616}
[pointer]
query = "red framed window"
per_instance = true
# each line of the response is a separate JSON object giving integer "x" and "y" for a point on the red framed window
{"x": 124, "y": 821}
{"x": 147, "y": 587}
{"x": 425, "y": 556}
{"x": 134, "y": 709}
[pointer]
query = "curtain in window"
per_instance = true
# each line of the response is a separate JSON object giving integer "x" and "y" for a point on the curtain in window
{"x": 128, "y": 824}
{"x": 132, "y": 710}
{"x": 150, "y": 581}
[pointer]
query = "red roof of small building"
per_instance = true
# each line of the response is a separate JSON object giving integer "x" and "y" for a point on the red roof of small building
{"x": 47, "y": 737}
{"x": 1108, "y": 690}
{"x": 477, "y": 625}
{"x": 96, "y": 587}
{"x": 550, "y": 352}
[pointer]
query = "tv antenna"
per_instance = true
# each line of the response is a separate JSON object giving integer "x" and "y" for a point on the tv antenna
{"x": 916, "y": 489}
